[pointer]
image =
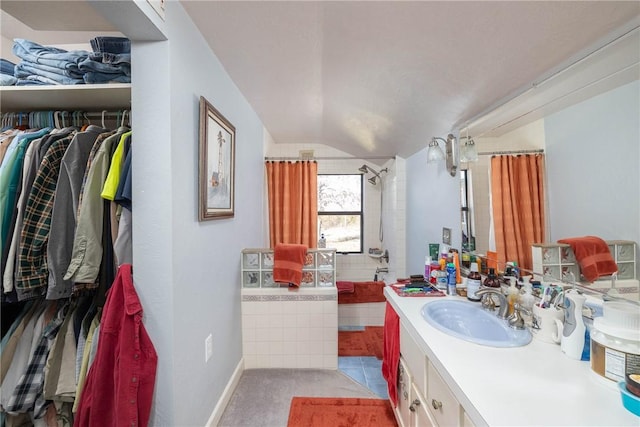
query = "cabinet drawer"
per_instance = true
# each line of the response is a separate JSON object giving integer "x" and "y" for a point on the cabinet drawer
{"x": 421, "y": 416}
{"x": 404, "y": 394}
{"x": 442, "y": 403}
{"x": 415, "y": 359}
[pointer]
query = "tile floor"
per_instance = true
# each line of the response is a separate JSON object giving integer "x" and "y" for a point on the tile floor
{"x": 366, "y": 370}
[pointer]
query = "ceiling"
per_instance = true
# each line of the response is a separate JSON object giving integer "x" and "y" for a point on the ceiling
{"x": 381, "y": 78}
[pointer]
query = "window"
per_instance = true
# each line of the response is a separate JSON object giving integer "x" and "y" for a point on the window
{"x": 340, "y": 211}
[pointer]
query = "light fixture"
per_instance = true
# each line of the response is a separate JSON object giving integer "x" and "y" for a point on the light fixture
{"x": 468, "y": 151}
{"x": 435, "y": 153}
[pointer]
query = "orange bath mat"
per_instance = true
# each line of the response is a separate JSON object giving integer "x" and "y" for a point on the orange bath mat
{"x": 346, "y": 412}
{"x": 361, "y": 343}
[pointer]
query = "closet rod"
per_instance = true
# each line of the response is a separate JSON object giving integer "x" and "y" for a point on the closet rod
{"x": 330, "y": 158}
{"x": 499, "y": 153}
{"x": 69, "y": 113}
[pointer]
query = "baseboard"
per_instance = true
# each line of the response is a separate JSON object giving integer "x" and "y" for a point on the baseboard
{"x": 216, "y": 415}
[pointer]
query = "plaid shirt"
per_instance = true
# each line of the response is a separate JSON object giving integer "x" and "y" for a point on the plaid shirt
{"x": 32, "y": 271}
{"x": 28, "y": 394}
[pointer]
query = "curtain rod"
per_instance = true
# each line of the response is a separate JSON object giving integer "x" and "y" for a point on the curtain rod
{"x": 498, "y": 153}
{"x": 330, "y": 158}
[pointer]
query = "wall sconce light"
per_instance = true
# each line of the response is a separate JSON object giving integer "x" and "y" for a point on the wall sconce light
{"x": 450, "y": 154}
{"x": 468, "y": 151}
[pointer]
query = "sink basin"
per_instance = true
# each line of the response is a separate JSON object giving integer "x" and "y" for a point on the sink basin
{"x": 468, "y": 321}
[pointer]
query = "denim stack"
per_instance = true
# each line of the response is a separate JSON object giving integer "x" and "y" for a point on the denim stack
{"x": 7, "y": 69}
{"x": 110, "y": 61}
{"x": 46, "y": 65}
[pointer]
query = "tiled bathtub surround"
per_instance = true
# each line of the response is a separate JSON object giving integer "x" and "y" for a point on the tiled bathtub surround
{"x": 363, "y": 314}
{"x": 290, "y": 329}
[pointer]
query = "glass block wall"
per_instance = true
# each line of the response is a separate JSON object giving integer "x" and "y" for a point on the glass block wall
{"x": 319, "y": 269}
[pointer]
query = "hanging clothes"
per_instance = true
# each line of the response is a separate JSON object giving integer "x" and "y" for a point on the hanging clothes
{"x": 65, "y": 206}
{"x": 126, "y": 352}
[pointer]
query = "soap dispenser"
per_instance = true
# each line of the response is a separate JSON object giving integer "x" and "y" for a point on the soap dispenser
{"x": 572, "y": 342}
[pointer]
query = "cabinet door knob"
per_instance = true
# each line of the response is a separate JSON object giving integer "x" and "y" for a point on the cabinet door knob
{"x": 415, "y": 403}
{"x": 436, "y": 404}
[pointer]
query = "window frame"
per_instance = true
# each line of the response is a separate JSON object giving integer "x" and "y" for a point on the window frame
{"x": 353, "y": 213}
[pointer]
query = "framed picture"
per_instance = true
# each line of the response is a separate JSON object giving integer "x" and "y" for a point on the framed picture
{"x": 216, "y": 164}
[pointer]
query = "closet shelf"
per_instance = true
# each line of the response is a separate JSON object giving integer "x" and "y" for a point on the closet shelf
{"x": 112, "y": 96}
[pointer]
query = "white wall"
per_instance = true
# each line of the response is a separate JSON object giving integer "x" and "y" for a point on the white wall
{"x": 433, "y": 202}
{"x": 188, "y": 272}
{"x": 593, "y": 153}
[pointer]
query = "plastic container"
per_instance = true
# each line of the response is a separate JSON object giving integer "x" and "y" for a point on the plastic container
{"x": 427, "y": 268}
{"x": 451, "y": 279}
{"x": 629, "y": 401}
{"x": 615, "y": 341}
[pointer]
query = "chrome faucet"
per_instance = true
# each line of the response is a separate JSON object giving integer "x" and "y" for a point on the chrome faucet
{"x": 516, "y": 321}
{"x": 380, "y": 270}
{"x": 486, "y": 293}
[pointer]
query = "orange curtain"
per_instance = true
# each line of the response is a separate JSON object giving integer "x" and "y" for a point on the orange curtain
{"x": 517, "y": 191}
{"x": 293, "y": 202}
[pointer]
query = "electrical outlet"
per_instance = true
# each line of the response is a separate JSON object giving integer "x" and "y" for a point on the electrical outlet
{"x": 208, "y": 348}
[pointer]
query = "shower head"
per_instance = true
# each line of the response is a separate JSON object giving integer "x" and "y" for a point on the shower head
{"x": 364, "y": 169}
{"x": 373, "y": 179}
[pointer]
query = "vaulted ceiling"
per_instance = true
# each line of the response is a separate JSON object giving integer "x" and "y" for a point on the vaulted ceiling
{"x": 383, "y": 77}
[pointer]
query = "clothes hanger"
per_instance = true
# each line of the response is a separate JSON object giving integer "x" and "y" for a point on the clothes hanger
{"x": 104, "y": 112}
{"x": 124, "y": 116}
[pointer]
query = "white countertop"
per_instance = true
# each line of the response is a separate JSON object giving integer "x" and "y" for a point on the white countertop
{"x": 534, "y": 385}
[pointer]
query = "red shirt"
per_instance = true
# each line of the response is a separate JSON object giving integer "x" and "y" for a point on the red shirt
{"x": 119, "y": 386}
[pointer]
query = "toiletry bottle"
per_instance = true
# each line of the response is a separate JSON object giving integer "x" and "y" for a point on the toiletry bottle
{"x": 512, "y": 294}
{"x": 573, "y": 333}
{"x": 474, "y": 280}
{"x": 451, "y": 278}
{"x": 527, "y": 299}
{"x": 456, "y": 263}
{"x": 322, "y": 243}
{"x": 492, "y": 281}
{"x": 427, "y": 268}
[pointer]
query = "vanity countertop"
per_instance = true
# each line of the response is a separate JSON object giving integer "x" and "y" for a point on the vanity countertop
{"x": 531, "y": 385}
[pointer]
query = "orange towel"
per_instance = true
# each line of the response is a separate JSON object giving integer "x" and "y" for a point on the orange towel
{"x": 288, "y": 259}
{"x": 363, "y": 292}
{"x": 345, "y": 287}
{"x": 593, "y": 255}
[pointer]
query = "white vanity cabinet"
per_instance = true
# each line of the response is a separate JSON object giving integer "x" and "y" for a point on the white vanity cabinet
{"x": 424, "y": 399}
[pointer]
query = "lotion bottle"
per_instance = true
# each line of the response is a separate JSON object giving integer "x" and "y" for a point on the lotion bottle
{"x": 573, "y": 333}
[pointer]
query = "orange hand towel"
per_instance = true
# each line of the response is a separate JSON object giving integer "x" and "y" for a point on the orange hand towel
{"x": 288, "y": 259}
{"x": 593, "y": 255}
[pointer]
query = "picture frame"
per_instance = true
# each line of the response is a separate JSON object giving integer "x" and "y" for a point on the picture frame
{"x": 216, "y": 165}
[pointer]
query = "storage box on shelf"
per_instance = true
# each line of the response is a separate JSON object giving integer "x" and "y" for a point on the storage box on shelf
{"x": 624, "y": 253}
{"x": 319, "y": 269}
{"x": 554, "y": 261}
